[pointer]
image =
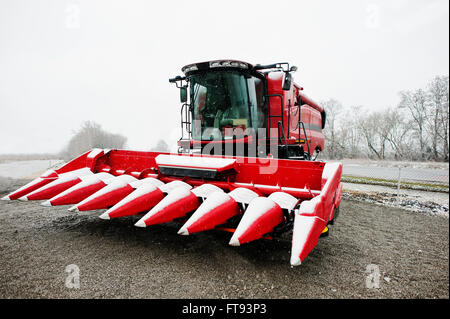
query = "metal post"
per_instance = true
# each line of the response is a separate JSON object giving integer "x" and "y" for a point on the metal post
{"x": 398, "y": 182}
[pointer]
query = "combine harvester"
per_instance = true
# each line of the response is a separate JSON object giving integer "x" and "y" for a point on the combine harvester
{"x": 246, "y": 163}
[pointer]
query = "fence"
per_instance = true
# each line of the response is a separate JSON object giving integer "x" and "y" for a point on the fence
{"x": 398, "y": 175}
{"x": 421, "y": 187}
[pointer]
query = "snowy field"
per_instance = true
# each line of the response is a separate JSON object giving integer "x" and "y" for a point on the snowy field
{"x": 26, "y": 169}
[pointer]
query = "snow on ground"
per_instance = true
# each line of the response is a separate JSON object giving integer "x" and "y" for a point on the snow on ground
{"x": 440, "y": 198}
{"x": 432, "y": 203}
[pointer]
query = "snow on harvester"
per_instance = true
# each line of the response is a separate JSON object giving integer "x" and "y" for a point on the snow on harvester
{"x": 246, "y": 163}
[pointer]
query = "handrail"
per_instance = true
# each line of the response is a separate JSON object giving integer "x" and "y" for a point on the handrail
{"x": 282, "y": 131}
{"x": 269, "y": 116}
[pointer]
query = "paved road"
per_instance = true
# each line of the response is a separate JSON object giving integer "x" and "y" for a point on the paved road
{"x": 410, "y": 174}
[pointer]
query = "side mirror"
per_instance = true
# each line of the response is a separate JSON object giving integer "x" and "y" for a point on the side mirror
{"x": 287, "y": 81}
{"x": 183, "y": 94}
{"x": 324, "y": 119}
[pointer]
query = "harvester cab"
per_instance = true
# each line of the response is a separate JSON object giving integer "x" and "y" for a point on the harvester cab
{"x": 244, "y": 164}
{"x": 238, "y": 109}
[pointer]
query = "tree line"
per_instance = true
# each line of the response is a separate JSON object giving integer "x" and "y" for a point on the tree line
{"x": 89, "y": 136}
{"x": 417, "y": 129}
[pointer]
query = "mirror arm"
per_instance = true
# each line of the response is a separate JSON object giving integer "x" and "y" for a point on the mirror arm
{"x": 178, "y": 80}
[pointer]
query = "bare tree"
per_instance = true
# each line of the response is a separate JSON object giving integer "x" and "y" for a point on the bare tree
{"x": 91, "y": 135}
{"x": 418, "y": 129}
{"x": 445, "y": 118}
{"x": 395, "y": 130}
{"x": 438, "y": 115}
{"x": 350, "y": 133}
{"x": 333, "y": 108}
{"x": 439, "y": 96}
{"x": 161, "y": 146}
{"x": 416, "y": 103}
{"x": 369, "y": 127}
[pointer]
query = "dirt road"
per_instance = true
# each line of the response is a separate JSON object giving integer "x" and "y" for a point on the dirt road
{"x": 117, "y": 260}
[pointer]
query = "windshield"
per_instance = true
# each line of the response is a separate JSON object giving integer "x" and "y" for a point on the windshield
{"x": 225, "y": 103}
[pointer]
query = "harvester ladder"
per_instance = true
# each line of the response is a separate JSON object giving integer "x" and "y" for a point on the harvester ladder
{"x": 300, "y": 123}
{"x": 270, "y": 117}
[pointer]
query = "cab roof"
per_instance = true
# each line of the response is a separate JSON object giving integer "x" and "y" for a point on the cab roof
{"x": 203, "y": 66}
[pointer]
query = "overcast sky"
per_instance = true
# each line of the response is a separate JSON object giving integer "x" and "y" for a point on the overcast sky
{"x": 65, "y": 62}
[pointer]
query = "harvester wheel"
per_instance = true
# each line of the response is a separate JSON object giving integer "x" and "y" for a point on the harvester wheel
{"x": 325, "y": 232}
{"x": 335, "y": 215}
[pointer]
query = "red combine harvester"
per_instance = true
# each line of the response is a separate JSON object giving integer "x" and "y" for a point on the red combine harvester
{"x": 246, "y": 163}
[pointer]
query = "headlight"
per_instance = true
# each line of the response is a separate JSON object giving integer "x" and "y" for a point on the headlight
{"x": 228, "y": 63}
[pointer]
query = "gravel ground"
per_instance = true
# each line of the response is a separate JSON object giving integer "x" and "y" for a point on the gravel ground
{"x": 118, "y": 260}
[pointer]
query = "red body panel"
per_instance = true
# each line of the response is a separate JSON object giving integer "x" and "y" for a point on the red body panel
{"x": 256, "y": 172}
{"x": 310, "y": 115}
{"x": 311, "y": 219}
{"x": 313, "y": 237}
